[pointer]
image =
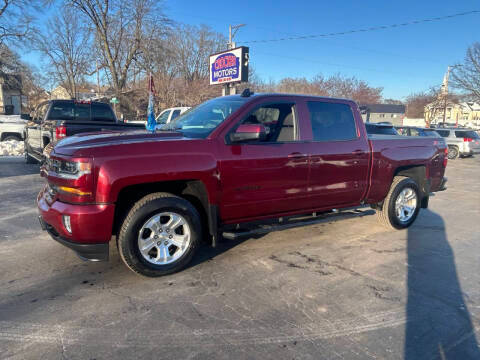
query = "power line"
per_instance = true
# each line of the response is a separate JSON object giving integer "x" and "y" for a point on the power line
{"x": 343, "y": 66}
{"x": 373, "y": 28}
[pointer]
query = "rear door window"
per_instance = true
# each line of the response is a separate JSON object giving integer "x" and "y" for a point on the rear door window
{"x": 102, "y": 112}
{"x": 331, "y": 121}
{"x": 443, "y": 133}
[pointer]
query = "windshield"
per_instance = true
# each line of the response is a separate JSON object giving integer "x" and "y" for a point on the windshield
{"x": 200, "y": 121}
{"x": 163, "y": 117}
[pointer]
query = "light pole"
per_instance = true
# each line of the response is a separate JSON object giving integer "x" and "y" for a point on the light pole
{"x": 229, "y": 89}
{"x": 445, "y": 91}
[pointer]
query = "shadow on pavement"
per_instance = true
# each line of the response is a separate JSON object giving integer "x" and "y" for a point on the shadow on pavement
{"x": 207, "y": 253}
{"x": 16, "y": 166}
{"x": 438, "y": 321}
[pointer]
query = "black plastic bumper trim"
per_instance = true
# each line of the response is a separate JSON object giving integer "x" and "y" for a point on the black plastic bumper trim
{"x": 88, "y": 252}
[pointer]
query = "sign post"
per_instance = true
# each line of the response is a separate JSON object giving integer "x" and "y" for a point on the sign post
{"x": 114, "y": 101}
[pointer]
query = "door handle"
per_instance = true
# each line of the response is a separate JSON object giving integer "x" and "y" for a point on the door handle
{"x": 358, "y": 152}
{"x": 297, "y": 155}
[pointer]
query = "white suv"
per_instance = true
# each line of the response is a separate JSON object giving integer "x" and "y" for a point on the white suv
{"x": 460, "y": 142}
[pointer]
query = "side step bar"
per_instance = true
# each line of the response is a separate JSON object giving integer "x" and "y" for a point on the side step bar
{"x": 295, "y": 221}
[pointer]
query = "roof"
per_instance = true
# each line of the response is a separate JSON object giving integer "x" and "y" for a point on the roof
{"x": 257, "y": 95}
{"x": 384, "y": 108}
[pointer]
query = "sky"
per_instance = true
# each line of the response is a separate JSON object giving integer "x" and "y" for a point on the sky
{"x": 402, "y": 60}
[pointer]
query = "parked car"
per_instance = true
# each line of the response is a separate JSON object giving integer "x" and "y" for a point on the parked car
{"x": 230, "y": 160}
{"x": 56, "y": 119}
{"x": 167, "y": 115}
{"x": 460, "y": 142}
{"x": 416, "y": 131}
{"x": 12, "y": 127}
{"x": 380, "y": 129}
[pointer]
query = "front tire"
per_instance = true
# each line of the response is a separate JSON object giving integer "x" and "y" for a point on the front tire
{"x": 160, "y": 235}
{"x": 402, "y": 204}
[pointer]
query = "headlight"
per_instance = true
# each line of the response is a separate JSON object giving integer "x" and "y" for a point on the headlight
{"x": 70, "y": 169}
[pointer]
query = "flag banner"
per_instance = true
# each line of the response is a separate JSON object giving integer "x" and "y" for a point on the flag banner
{"x": 151, "y": 123}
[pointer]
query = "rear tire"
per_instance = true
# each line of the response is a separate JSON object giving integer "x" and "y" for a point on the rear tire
{"x": 452, "y": 152}
{"x": 160, "y": 235}
{"x": 401, "y": 205}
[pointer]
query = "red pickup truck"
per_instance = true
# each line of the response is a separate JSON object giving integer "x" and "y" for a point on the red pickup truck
{"x": 230, "y": 160}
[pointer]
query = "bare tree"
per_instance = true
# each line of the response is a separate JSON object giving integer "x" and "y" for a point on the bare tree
{"x": 193, "y": 46}
{"x": 67, "y": 44}
{"x": 466, "y": 77}
{"x": 120, "y": 28}
{"x": 335, "y": 86}
{"x": 417, "y": 102}
{"x": 23, "y": 76}
{"x": 16, "y": 18}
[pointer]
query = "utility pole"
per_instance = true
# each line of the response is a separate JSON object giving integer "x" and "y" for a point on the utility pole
{"x": 98, "y": 79}
{"x": 230, "y": 88}
{"x": 445, "y": 90}
{"x": 445, "y": 94}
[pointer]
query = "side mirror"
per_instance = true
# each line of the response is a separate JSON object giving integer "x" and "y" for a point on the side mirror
{"x": 249, "y": 132}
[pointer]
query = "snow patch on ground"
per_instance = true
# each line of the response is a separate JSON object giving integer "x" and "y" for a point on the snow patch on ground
{"x": 11, "y": 148}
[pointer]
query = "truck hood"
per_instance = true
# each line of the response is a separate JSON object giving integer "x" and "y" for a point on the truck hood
{"x": 74, "y": 143}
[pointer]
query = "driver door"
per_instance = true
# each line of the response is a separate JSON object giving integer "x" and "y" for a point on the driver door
{"x": 269, "y": 176}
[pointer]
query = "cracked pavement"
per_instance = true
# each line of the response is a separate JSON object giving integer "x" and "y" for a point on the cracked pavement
{"x": 342, "y": 288}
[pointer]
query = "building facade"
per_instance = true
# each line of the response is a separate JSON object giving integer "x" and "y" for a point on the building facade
{"x": 463, "y": 113}
{"x": 11, "y": 98}
{"x": 375, "y": 113}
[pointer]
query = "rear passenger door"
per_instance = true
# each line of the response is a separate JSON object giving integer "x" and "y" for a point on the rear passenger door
{"x": 339, "y": 156}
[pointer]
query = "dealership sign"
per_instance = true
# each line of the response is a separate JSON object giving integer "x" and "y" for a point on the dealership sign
{"x": 229, "y": 66}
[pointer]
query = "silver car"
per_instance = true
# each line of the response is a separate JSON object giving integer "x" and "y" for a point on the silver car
{"x": 461, "y": 142}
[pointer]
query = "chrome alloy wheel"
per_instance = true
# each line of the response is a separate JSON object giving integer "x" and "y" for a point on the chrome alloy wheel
{"x": 164, "y": 238}
{"x": 406, "y": 204}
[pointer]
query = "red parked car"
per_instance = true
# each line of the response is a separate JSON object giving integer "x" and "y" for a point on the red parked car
{"x": 230, "y": 160}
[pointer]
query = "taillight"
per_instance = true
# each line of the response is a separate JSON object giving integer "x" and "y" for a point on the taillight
{"x": 467, "y": 140}
{"x": 60, "y": 132}
{"x": 445, "y": 157}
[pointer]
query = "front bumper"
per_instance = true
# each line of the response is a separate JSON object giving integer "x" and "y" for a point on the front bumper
{"x": 88, "y": 252}
{"x": 91, "y": 225}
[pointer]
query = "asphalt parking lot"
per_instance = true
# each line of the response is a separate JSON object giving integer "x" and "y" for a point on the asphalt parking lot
{"x": 343, "y": 288}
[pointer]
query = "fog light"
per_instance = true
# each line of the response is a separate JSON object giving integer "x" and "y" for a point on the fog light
{"x": 66, "y": 223}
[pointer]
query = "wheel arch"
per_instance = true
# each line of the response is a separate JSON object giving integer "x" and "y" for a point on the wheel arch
{"x": 419, "y": 174}
{"x": 4, "y": 135}
{"x": 191, "y": 190}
